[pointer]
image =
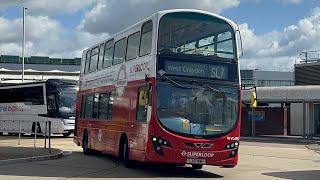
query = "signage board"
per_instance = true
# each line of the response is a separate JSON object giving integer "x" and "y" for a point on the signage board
{"x": 196, "y": 69}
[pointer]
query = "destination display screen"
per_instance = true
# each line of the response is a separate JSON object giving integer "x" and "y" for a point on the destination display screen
{"x": 196, "y": 69}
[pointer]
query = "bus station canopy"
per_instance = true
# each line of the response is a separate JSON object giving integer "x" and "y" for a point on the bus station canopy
{"x": 284, "y": 94}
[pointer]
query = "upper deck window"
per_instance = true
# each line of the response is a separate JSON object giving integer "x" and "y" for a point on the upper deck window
{"x": 101, "y": 51}
{"x": 87, "y": 63}
{"x": 119, "y": 51}
{"x": 196, "y": 34}
{"x": 146, "y": 39}
{"x": 108, "y": 54}
{"x": 94, "y": 60}
{"x": 133, "y": 46}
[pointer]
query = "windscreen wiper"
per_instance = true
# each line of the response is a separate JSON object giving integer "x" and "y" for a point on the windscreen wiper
{"x": 209, "y": 87}
{"x": 175, "y": 83}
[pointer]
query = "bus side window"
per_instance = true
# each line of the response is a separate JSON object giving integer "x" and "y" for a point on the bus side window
{"x": 108, "y": 54}
{"x": 101, "y": 55}
{"x": 146, "y": 39}
{"x": 95, "y": 106}
{"x": 94, "y": 60}
{"x": 133, "y": 46}
{"x": 119, "y": 51}
{"x": 86, "y": 70}
{"x": 103, "y": 106}
{"x": 143, "y": 98}
{"x": 84, "y": 99}
{"x": 110, "y": 104}
{"x": 88, "y": 108}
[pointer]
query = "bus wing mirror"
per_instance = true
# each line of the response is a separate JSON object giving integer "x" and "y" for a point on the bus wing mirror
{"x": 146, "y": 77}
{"x": 143, "y": 97}
{"x": 239, "y": 42}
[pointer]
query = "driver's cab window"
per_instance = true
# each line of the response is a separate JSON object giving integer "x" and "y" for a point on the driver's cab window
{"x": 52, "y": 103}
{"x": 143, "y": 101}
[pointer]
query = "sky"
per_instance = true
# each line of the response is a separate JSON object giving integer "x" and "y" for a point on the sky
{"x": 274, "y": 32}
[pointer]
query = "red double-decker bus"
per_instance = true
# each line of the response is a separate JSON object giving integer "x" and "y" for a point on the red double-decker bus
{"x": 165, "y": 90}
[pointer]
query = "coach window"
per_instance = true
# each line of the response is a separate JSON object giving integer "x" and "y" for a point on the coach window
{"x": 29, "y": 95}
{"x": 86, "y": 70}
{"x": 94, "y": 59}
{"x": 133, "y": 46}
{"x": 108, "y": 54}
{"x": 110, "y": 104}
{"x": 95, "y": 106}
{"x": 100, "y": 59}
{"x": 146, "y": 39}
{"x": 88, "y": 106}
{"x": 143, "y": 101}
{"x": 51, "y": 103}
{"x": 103, "y": 106}
{"x": 119, "y": 51}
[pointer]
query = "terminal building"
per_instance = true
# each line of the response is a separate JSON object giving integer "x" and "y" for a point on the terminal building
{"x": 38, "y": 68}
{"x": 267, "y": 78}
{"x": 293, "y": 109}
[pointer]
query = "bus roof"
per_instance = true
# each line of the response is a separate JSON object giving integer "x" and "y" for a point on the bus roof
{"x": 160, "y": 14}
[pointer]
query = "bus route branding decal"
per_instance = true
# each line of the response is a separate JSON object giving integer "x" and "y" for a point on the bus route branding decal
{"x": 122, "y": 77}
{"x": 100, "y": 135}
{"x": 17, "y": 107}
{"x": 197, "y": 154}
{"x": 11, "y": 108}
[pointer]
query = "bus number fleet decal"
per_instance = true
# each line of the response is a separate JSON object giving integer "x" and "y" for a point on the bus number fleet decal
{"x": 233, "y": 138}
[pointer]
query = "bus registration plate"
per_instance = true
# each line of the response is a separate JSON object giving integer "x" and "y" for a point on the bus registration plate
{"x": 196, "y": 161}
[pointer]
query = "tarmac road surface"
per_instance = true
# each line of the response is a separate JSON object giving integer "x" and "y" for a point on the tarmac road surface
{"x": 257, "y": 161}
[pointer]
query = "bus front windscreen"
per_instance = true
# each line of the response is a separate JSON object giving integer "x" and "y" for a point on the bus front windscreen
{"x": 195, "y": 34}
{"x": 67, "y": 100}
{"x": 196, "y": 110}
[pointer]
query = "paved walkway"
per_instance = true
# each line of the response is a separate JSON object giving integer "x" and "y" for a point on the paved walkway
{"x": 281, "y": 139}
{"x": 10, "y": 151}
{"x": 24, "y": 152}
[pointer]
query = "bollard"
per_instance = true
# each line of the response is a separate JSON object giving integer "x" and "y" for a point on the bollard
{"x": 35, "y": 134}
{"x": 19, "y": 133}
{"x": 50, "y": 137}
{"x": 45, "y": 135}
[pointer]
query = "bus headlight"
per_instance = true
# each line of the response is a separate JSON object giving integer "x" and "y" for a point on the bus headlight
{"x": 234, "y": 145}
{"x": 158, "y": 143}
{"x": 234, "y": 149}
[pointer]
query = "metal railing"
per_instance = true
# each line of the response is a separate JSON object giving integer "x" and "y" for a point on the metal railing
{"x": 33, "y": 131}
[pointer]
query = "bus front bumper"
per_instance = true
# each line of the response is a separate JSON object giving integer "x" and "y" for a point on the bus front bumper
{"x": 182, "y": 156}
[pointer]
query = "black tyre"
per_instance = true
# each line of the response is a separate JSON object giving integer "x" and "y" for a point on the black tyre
{"x": 67, "y": 134}
{"x": 85, "y": 144}
{"x": 124, "y": 153}
{"x": 1, "y": 133}
{"x": 228, "y": 166}
{"x": 197, "y": 166}
{"x": 13, "y": 134}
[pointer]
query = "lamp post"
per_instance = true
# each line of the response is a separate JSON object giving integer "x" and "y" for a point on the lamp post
{"x": 23, "y": 38}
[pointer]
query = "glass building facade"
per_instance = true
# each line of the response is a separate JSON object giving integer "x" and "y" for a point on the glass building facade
{"x": 267, "y": 78}
{"x": 39, "y": 60}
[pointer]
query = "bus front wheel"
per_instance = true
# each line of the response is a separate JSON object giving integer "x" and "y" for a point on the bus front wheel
{"x": 124, "y": 153}
{"x": 197, "y": 166}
